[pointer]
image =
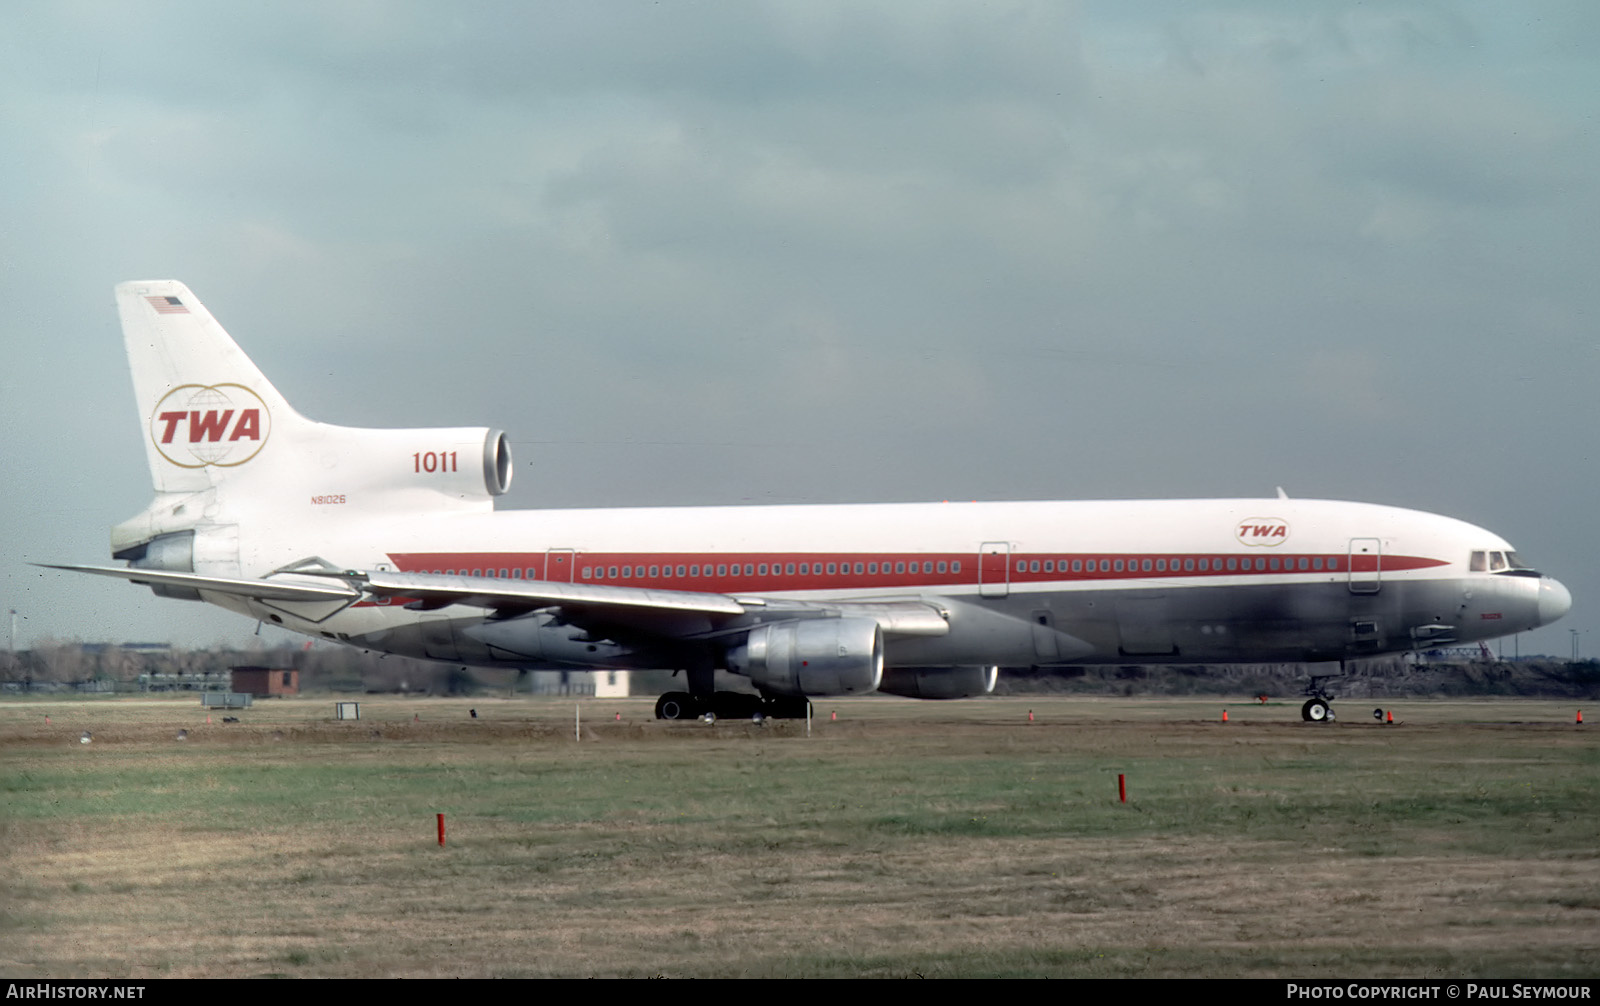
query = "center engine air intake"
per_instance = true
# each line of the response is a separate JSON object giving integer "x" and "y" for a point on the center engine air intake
{"x": 819, "y": 656}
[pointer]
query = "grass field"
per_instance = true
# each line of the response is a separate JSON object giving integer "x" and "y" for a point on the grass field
{"x": 904, "y": 839}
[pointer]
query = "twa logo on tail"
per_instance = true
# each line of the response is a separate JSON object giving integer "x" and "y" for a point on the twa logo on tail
{"x": 195, "y": 425}
{"x": 1259, "y": 531}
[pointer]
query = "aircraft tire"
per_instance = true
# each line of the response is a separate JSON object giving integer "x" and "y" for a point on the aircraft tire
{"x": 677, "y": 706}
{"x": 1316, "y": 711}
{"x": 736, "y": 705}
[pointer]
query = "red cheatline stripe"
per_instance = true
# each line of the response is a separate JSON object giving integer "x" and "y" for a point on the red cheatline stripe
{"x": 781, "y": 571}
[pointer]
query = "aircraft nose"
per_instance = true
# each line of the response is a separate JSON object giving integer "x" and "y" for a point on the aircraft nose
{"x": 1554, "y": 600}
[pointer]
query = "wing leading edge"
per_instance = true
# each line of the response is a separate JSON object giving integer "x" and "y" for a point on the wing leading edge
{"x": 642, "y": 609}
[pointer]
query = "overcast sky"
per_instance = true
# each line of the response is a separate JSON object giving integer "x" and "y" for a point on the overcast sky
{"x": 822, "y": 252}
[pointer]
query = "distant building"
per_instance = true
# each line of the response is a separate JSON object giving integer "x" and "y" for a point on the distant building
{"x": 600, "y": 684}
{"x": 266, "y": 682}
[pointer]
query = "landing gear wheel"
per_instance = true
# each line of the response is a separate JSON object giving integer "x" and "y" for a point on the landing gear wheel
{"x": 736, "y": 705}
{"x": 1316, "y": 711}
{"x": 677, "y": 706}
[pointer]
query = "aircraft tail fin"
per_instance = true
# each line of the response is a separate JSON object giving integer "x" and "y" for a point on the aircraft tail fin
{"x": 206, "y": 407}
{"x": 226, "y": 450}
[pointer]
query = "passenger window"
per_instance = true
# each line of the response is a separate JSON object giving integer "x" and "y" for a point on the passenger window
{"x": 872, "y": 568}
{"x": 941, "y": 567}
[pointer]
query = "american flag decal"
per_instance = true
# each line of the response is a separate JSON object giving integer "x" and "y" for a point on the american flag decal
{"x": 167, "y": 305}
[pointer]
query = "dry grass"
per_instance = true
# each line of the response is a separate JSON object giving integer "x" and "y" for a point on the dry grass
{"x": 904, "y": 839}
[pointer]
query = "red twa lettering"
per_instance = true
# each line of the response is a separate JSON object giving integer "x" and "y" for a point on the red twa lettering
{"x": 249, "y": 427}
{"x": 1264, "y": 530}
{"x": 207, "y": 426}
{"x": 172, "y": 419}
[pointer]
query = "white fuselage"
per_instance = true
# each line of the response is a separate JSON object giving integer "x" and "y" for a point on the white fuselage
{"x": 1040, "y": 583}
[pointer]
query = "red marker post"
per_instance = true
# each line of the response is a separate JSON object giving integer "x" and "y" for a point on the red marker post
{"x": 441, "y": 831}
{"x": 1122, "y": 787}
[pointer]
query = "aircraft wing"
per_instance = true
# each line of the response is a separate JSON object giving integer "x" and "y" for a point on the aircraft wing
{"x": 673, "y": 612}
{"x": 263, "y": 590}
{"x": 433, "y": 590}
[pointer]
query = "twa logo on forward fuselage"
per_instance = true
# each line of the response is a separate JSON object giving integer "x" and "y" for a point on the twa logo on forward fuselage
{"x": 1262, "y": 531}
{"x": 195, "y": 425}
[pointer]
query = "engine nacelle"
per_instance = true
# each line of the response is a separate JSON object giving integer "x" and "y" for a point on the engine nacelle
{"x": 939, "y": 682}
{"x": 470, "y": 464}
{"x": 817, "y": 656}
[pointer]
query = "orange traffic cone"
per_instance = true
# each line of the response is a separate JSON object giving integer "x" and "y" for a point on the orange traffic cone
{"x": 1030, "y": 715}
{"x": 1580, "y": 718}
{"x": 1389, "y": 716}
{"x": 1224, "y": 716}
{"x": 835, "y": 716}
{"x": 619, "y": 717}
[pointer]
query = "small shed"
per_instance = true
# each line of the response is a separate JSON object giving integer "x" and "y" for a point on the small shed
{"x": 266, "y": 682}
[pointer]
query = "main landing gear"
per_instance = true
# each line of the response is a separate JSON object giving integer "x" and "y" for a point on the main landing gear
{"x": 1318, "y": 708}
{"x": 730, "y": 705}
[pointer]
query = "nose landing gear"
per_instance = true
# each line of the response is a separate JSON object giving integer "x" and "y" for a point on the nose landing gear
{"x": 1318, "y": 708}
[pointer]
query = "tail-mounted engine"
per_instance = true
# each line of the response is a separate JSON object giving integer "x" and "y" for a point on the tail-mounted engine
{"x": 818, "y": 656}
{"x": 471, "y": 465}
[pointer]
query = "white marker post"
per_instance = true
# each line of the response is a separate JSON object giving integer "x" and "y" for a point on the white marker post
{"x": 577, "y": 723}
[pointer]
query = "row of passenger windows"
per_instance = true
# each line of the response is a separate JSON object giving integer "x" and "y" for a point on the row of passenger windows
{"x": 1274, "y": 564}
{"x": 1162, "y": 565}
{"x": 767, "y": 569}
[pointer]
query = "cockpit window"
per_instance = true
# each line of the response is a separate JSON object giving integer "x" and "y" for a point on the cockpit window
{"x": 1507, "y": 563}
